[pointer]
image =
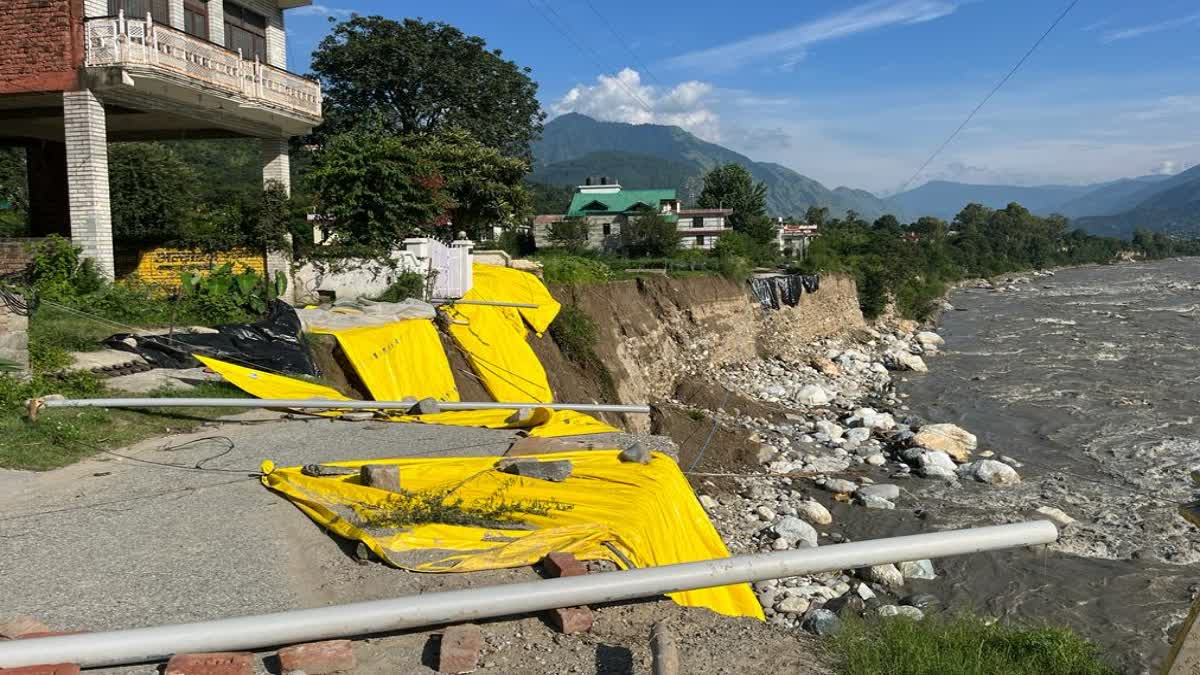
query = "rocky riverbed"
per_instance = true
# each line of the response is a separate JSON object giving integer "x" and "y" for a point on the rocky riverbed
{"x": 1024, "y": 409}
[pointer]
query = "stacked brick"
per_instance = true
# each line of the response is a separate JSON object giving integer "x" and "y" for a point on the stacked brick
{"x": 41, "y": 45}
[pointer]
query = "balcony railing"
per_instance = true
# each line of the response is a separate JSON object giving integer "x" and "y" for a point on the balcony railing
{"x": 115, "y": 41}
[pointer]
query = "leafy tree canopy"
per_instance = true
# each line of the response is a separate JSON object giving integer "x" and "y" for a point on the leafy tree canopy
{"x": 731, "y": 186}
{"x": 649, "y": 234}
{"x": 412, "y": 77}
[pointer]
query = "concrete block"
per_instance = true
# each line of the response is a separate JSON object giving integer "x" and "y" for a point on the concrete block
{"x": 382, "y": 476}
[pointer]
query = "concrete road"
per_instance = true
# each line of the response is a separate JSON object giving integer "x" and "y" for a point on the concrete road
{"x": 113, "y": 543}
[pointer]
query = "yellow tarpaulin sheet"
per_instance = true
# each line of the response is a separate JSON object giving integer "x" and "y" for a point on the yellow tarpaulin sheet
{"x": 646, "y": 512}
{"x": 543, "y": 422}
{"x": 494, "y": 337}
{"x": 265, "y": 385}
{"x": 399, "y": 360}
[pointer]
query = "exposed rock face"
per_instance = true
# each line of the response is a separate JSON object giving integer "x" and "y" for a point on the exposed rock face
{"x": 948, "y": 438}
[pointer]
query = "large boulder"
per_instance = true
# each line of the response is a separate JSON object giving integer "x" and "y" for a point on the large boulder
{"x": 814, "y": 512}
{"x": 936, "y": 464}
{"x": 794, "y": 531}
{"x": 990, "y": 471}
{"x": 948, "y": 438}
{"x": 902, "y": 360}
{"x": 869, "y": 418}
{"x": 812, "y": 394}
{"x": 929, "y": 340}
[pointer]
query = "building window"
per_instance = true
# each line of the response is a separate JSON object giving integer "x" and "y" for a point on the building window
{"x": 699, "y": 240}
{"x": 247, "y": 31}
{"x": 137, "y": 9}
{"x": 195, "y": 18}
{"x": 607, "y": 229}
{"x": 697, "y": 222}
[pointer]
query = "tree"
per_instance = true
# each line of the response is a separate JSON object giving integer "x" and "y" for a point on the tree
{"x": 732, "y": 187}
{"x": 376, "y": 190}
{"x": 14, "y": 193}
{"x": 411, "y": 76}
{"x": 486, "y": 187}
{"x": 153, "y": 192}
{"x": 570, "y": 234}
{"x": 816, "y": 215}
{"x": 649, "y": 234}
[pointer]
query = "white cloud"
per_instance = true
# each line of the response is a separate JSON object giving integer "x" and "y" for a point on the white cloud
{"x": 317, "y": 9}
{"x": 1147, "y": 29}
{"x": 790, "y": 43}
{"x": 624, "y": 98}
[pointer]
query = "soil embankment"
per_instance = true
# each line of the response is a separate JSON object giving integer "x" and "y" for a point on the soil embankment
{"x": 656, "y": 333}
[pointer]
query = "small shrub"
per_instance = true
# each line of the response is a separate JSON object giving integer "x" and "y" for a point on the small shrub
{"x": 570, "y": 269}
{"x": 57, "y": 271}
{"x": 575, "y": 334}
{"x": 441, "y": 506}
{"x": 407, "y": 285}
{"x": 516, "y": 242}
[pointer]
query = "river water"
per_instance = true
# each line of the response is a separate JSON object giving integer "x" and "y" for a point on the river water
{"x": 1090, "y": 379}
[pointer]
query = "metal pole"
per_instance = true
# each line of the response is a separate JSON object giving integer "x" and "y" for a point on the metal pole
{"x": 140, "y": 645}
{"x": 486, "y": 303}
{"x": 325, "y": 404}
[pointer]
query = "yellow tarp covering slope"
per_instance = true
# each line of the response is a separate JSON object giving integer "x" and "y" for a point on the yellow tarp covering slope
{"x": 399, "y": 360}
{"x": 494, "y": 337}
{"x": 544, "y": 422}
{"x": 647, "y": 512}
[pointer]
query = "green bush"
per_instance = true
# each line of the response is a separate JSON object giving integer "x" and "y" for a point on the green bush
{"x": 964, "y": 646}
{"x": 225, "y": 294}
{"x": 407, "y": 285}
{"x": 57, "y": 270}
{"x": 571, "y": 269}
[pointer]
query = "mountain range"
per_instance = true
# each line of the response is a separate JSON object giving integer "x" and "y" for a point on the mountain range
{"x": 574, "y": 147}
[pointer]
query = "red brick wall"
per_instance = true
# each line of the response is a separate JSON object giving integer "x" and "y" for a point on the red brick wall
{"x": 41, "y": 45}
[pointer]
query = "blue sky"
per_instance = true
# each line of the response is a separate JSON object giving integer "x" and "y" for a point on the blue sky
{"x": 859, "y": 93}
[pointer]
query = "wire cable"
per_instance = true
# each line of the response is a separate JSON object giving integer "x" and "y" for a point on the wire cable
{"x": 566, "y": 32}
{"x": 1004, "y": 80}
{"x": 624, "y": 43}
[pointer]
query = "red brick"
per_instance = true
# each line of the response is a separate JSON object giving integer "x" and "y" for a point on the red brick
{"x": 559, "y": 564}
{"x": 41, "y": 45}
{"x": 318, "y": 658}
{"x": 214, "y": 663}
{"x": 460, "y": 649}
{"x": 20, "y": 626}
{"x": 571, "y": 620}
{"x": 47, "y": 669}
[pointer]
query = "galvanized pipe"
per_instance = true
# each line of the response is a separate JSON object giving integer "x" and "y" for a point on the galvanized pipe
{"x": 325, "y": 404}
{"x": 485, "y": 303}
{"x": 141, "y": 645}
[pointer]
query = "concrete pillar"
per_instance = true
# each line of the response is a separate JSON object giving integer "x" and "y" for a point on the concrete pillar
{"x": 276, "y": 40}
{"x": 276, "y": 167}
{"x": 276, "y": 164}
{"x": 87, "y": 177}
{"x": 46, "y": 167}
{"x": 175, "y": 9}
{"x": 216, "y": 22}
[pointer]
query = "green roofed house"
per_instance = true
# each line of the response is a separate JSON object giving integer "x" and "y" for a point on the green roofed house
{"x": 605, "y": 207}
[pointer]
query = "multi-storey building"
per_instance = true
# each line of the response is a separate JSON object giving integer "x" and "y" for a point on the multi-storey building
{"x": 76, "y": 75}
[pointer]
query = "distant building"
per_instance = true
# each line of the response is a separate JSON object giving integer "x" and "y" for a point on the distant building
{"x": 605, "y": 207}
{"x": 793, "y": 238}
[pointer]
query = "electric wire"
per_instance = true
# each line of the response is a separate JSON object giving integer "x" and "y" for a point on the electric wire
{"x": 566, "y": 32}
{"x": 1004, "y": 80}
{"x": 624, "y": 43}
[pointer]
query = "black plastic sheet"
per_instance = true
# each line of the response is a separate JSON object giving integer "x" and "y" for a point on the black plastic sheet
{"x": 784, "y": 289}
{"x": 273, "y": 345}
